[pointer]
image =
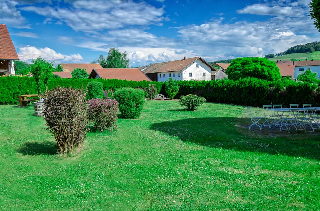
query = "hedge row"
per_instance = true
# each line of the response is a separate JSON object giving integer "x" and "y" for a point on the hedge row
{"x": 253, "y": 92}
{"x": 11, "y": 87}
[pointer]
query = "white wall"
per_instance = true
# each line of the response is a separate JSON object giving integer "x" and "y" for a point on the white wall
{"x": 315, "y": 69}
{"x": 197, "y": 69}
{"x": 11, "y": 68}
{"x": 165, "y": 76}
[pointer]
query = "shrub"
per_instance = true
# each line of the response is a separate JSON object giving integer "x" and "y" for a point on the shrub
{"x": 253, "y": 67}
{"x": 192, "y": 102}
{"x": 130, "y": 102}
{"x": 151, "y": 91}
{"x": 171, "y": 87}
{"x": 79, "y": 74}
{"x": 95, "y": 90}
{"x": 65, "y": 112}
{"x": 103, "y": 112}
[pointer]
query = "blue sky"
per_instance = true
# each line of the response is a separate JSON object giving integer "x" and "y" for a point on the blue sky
{"x": 151, "y": 31}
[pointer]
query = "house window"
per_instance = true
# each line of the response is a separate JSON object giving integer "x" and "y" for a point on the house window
{"x": 174, "y": 75}
{"x": 190, "y": 74}
{"x": 159, "y": 75}
{"x": 308, "y": 68}
{"x": 169, "y": 74}
{"x": 164, "y": 75}
{"x": 204, "y": 74}
{"x": 301, "y": 69}
{"x": 178, "y": 74}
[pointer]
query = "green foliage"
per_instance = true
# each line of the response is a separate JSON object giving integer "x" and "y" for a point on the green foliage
{"x": 253, "y": 67}
{"x": 115, "y": 59}
{"x": 65, "y": 112}
{"x": 103, "y": 112}
{"x": 309, "y": 77}
{"x": 315, "y": 12}
{"x": 79, "y": 74}
{"x": 130, "y": 102}
{"x": 94, "y": 90}
{"x": 171, "y": 87}
{"x": 41, "y": 71}
{"x": 102, "y": 61}
{"x": 269, "y": 56}
{"x": 151, "y": 91}
{"x": 58, "y": 68}
{"x": 191, "y": 102}
{"x": 21, "y": 68}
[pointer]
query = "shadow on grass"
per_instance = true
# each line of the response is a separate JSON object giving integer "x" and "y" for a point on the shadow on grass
{"x": 233, "y": 133}
{"x": 42, "y": 148}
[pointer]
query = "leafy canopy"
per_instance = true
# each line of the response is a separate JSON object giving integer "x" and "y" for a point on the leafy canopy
{"x": 79, "y": 74}
{"x": 309, "y": 77}
{"x": 253, "y": 67}
{"x": 115, "y": 59}
{"x": 315, "y": 12}
{"x": 41, "y": 71}
{"x": 21, "y": 68}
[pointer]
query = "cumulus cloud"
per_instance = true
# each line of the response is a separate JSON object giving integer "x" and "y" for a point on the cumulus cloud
{"x": 93, "y": 16}
{"x": 29, "y": 52}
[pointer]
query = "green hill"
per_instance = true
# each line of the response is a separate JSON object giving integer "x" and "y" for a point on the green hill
{"x": 298, "y": 56}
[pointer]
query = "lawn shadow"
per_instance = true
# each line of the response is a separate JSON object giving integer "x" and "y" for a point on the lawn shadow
{"x": 180, "y": 109}
{"x": 233, "y": 133}
{"x": 42, "y": 148}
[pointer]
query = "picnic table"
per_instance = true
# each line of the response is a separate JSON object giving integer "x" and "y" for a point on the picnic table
{"x": 24, "y": 99}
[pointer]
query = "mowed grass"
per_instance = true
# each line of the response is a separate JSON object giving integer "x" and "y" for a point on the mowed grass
{"x": 168, "y": 159}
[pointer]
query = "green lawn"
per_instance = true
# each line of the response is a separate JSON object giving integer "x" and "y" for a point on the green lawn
{"x": 168, "y": 159}
{"x": 299, "y": 56}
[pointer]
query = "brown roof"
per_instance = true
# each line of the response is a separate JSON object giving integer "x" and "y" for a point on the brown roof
{"x": 173, "y": 66}
{"x": 223, "y": 65}
{"x": 63, "y": 74}
{"x": 286, "y": 68}
{"x": 307, "y": 63}
{"x": 129, "y": 74}
{"x": 69, "y": 67}
{"x": 7, "y": 50}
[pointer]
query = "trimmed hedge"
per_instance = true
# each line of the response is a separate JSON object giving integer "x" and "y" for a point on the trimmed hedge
{"x": 248, "y": 92}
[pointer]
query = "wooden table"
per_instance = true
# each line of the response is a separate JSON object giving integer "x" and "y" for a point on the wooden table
{"x": 23, "y": 99}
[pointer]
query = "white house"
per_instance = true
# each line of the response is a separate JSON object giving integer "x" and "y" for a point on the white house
{"x": 302, "y": 66}
{"x": 183, "y": 70}
{"x": 7, "y": 52}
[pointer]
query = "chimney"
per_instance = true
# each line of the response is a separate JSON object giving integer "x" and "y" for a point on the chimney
{"x": 184, "y": 58}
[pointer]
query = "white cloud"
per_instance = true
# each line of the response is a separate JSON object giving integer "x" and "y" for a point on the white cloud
{"x": 29, "y": 52}
{"x": 10, "y": 15}
{"x": 262, "y": 9}
{"x": 26, "y": 34}
{"x": 93, "y": 16}
{"x": 65, "y": 40}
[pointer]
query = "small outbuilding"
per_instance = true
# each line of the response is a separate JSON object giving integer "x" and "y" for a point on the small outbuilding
{"x": 7, "y": 52}
{"x": 129, "y": 74}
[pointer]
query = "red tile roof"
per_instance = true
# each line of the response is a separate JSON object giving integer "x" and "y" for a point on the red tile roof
{"x": 69, "y": 67}
{"x": 307, "y": 63}
{"x": 7, "y": 50}
{"x": 173, "y": 66}
{"x": 286, "y": 68}
{"x": 223, "y": 65}
{"x": 129, "y": 74}
{"x": 63, "y": 74}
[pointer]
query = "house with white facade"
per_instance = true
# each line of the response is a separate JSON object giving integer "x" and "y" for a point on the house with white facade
{"x": 182, "y": 70}
{"x": 7, "y": 52}
{"x": 302, "y": 66}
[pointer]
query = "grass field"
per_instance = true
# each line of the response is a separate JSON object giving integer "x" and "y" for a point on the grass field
{"x": 168, "y": 159}
{"x": 298, "y": 56}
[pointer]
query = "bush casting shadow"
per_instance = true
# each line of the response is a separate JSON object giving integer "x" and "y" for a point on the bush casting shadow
{"x": 42, "y": 148}
{"x": 222, "y": 132}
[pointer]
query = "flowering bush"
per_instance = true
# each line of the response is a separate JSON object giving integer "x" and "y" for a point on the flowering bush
{"x": 191, "y": 101}
{"x": 103, "y": 112}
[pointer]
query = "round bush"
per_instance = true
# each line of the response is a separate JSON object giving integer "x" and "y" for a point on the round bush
{"x": 94, "y": 90}
{"x": 191, "y": 102}
{"x": 130, "y": 102}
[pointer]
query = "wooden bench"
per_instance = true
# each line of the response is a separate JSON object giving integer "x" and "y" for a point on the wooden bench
{"x": 24, "y": 99}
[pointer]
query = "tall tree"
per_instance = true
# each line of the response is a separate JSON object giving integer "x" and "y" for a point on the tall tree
{"x": 41, "y": 71}
{"x": 315, "y": 12}
{"x": 116, "y": 59}
{"x": 102, "y": 61}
